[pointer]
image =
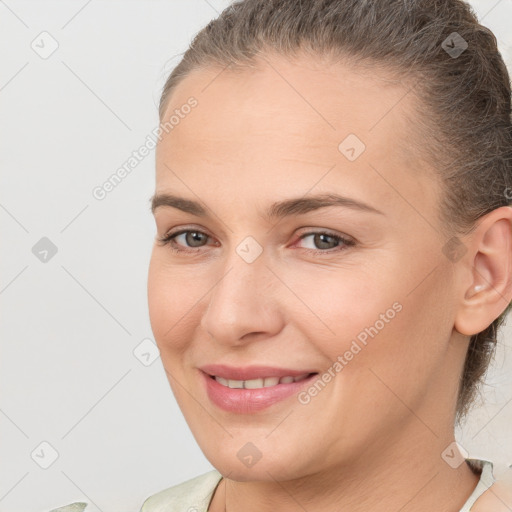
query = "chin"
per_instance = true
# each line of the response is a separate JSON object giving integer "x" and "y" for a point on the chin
{"x": 250, "y": 464}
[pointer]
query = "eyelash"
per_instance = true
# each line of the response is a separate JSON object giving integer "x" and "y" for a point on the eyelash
{"x": 168, "y": 240}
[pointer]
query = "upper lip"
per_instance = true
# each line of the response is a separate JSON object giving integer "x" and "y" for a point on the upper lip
{"x": 250, "y": 372}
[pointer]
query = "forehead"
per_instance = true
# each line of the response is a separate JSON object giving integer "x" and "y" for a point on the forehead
{"x": 328, "y": 99}
{"x": 286, "y": 118}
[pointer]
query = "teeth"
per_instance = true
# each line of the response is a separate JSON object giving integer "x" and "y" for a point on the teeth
{"x": 259, "y": 383}
{"x": 270, "y": 381}
{"x": 222, "y": 381}
{"x": 253, "y": 383}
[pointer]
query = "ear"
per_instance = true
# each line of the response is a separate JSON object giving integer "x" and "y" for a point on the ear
{"x": 486, "y": 272}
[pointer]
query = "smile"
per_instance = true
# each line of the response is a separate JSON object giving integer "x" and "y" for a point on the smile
{"x": 248, "y": 390}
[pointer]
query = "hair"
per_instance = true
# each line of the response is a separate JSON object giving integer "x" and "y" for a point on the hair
{"x": 463, "y": 108}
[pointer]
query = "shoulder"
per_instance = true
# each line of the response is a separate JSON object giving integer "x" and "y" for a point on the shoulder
{"x": 491, "y": 494}
{"x": 194, "y": 495}
{"x": 497, "y": 498}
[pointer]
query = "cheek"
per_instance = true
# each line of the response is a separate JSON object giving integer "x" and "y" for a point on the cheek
{"x": 339, "y": 304}
{"x": 401, "y": 357}
{"x": 170, "y": 303}
{"x": 376, "y": 317}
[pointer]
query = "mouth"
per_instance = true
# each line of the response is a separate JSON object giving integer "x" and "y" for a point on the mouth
{"x": 252, "y": 389}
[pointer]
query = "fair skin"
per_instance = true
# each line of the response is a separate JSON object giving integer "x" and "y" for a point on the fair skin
{"x": 372, "y": 439}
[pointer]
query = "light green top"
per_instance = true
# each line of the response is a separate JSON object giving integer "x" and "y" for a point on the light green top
{"x": 195, "y": 495}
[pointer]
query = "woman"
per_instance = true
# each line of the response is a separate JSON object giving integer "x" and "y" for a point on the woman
{"x": 333, "y": 254}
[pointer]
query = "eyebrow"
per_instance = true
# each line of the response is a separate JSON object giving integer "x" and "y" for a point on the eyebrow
{"x": 278, "y": 210}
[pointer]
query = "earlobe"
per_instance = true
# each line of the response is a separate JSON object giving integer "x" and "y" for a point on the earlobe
{"x": 488, "y": 287}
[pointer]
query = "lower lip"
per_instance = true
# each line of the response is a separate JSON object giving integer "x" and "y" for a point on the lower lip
{"x": 247, "y": 401}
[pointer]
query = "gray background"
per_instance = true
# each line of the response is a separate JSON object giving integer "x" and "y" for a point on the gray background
{"x": 72, "y": 326}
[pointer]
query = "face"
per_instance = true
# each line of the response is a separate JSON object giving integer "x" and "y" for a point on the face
{"x": 302, "y": 296}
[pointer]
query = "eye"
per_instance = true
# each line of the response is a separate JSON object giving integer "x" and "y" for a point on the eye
{"x": 322, "y": 241}
{"x": 189, "y": 238}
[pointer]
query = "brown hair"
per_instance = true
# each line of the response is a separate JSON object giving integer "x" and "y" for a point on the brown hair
{"x": 464, "y": 111}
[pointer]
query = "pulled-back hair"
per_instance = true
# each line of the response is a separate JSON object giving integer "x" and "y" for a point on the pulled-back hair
{"x": 463, "y": 96}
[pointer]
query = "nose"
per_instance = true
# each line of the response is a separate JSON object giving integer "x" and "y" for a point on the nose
{"x": 243, "y": 304}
